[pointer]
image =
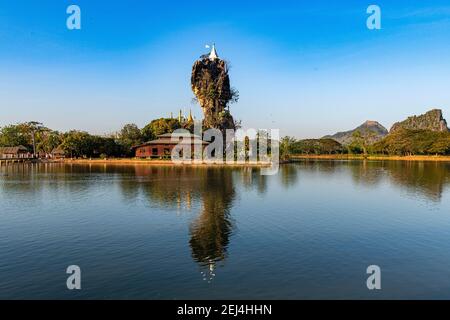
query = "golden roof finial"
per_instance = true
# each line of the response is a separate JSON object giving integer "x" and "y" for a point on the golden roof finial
{"x": 190, "y": 119}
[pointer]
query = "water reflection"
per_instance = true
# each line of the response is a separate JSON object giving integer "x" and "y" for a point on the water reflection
{"x": 424, "y": 179}
{"x": 211, "y": 193}
{"x": 211, "y": 231}
{"x": 212, "y": 188}
{"x": 183, "y": 186}
{"x": 252, "y": 179}
{"x": 289, "y": 175}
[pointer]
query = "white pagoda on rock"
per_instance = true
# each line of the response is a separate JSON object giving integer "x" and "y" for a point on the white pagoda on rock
{"x": 213, "y": 55}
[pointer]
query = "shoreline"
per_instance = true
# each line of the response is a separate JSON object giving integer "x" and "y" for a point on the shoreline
{"x": 293, "y": 159}
{"x": 371, "y": 157}
{"x": 131, "y": 161}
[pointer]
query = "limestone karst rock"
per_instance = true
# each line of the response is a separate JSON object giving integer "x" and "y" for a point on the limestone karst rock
{"x": 432, "y": 120}
{"x": 211, "y": 86}
{"x": 371, "y": 130}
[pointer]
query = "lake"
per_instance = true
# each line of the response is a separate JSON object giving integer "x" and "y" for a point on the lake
{"x": 149, "y": 232}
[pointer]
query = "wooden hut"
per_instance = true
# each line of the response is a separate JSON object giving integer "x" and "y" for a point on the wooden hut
{"x": 58, "y": 153}
{"x": 18, "y": 152}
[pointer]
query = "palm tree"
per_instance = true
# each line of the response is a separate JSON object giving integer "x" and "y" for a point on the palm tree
{"x": 286, "y": 145}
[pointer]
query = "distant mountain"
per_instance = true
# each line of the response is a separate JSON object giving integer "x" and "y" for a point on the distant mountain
{"x": 372, "y": 130}
{"x": 432, "y": 120}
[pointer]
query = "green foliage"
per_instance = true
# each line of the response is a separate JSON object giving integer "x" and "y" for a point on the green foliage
{"x": 211, "y": 93}
{"x": 234, "y": 95}
{"x": 357, "y": 142}
{"x": 158, "y": 127}
{"x": 361, "y": 142}
{"x": 441, "y": 145}
{"x": 130, "y": 136}
{"x": 286, "y": 147}
{"x": 33, "y": 128}
{"x": 32, "y": 135}
{"x": 316, "y": 146}
{"x": 414, "y": 142}
{"x": 82, "y": 144}
{"x": 47, "y": 141}
{"x": 290, "y": 146}
{"x": 14, "y": 135}
{"x": 77, "y": 144}
{"x": 130, "y": 133}
{"x": 400, "y": 142}
{"x": 108, "y": 147}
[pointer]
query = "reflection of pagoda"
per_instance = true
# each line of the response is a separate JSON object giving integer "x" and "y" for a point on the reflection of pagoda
{"x": 208, "y": 272}
{"x": 213, "y": 188}
{"x": 210, "y": 232}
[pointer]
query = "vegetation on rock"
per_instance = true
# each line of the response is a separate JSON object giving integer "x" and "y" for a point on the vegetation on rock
{"x": 432, "y": 121}
{"x": 211, "y": 86}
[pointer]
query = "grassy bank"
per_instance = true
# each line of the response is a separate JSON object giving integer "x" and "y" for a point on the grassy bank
{"x": 371, "y": 157}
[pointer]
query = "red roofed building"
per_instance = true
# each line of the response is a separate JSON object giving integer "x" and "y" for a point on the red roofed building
{"x": 162, "y": 147}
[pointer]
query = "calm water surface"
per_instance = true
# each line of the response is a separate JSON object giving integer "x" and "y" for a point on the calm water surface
{"x": 215, "y": 233}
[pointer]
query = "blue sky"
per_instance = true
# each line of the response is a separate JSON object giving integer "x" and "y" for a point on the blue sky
{"x": 309, "y": 68}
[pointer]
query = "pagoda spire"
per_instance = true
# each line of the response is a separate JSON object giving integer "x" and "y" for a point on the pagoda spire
{"x": 213, "y": 55}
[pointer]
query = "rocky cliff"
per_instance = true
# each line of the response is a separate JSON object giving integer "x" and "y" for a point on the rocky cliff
{"x": 211, "y": 86}
{"x": 432, "y": 120}
{"x": 372, "y": 131}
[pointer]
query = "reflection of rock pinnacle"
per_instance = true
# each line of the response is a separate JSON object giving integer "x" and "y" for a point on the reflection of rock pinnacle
{"x": 210, "y": 232}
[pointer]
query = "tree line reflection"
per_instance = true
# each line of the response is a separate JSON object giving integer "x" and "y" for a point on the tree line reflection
{"x": 425, "y": 179}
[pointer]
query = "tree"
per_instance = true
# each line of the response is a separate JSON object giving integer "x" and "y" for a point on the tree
{"x": 359, "y": 142}
{"x": 160, "y": 126}
{"x": 82, "y": 144}
{"x": 78, "y": 144}
{"x": 329, "y": 146}
{"x": 32, "y": 128}
{"x": 106, "y": 146}
{"x": 410, "y": 142}
{"x": 13, "y": 136}
{"x": 286, "y": 147}
{"x": 316, "y": 146}
{"x": 130, "y": 136}
{"x": 440, "y": 146}
{"x": 48, "y": 140}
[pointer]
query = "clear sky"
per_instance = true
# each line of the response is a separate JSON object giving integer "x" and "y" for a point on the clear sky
{"x": 309, "y": 68}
